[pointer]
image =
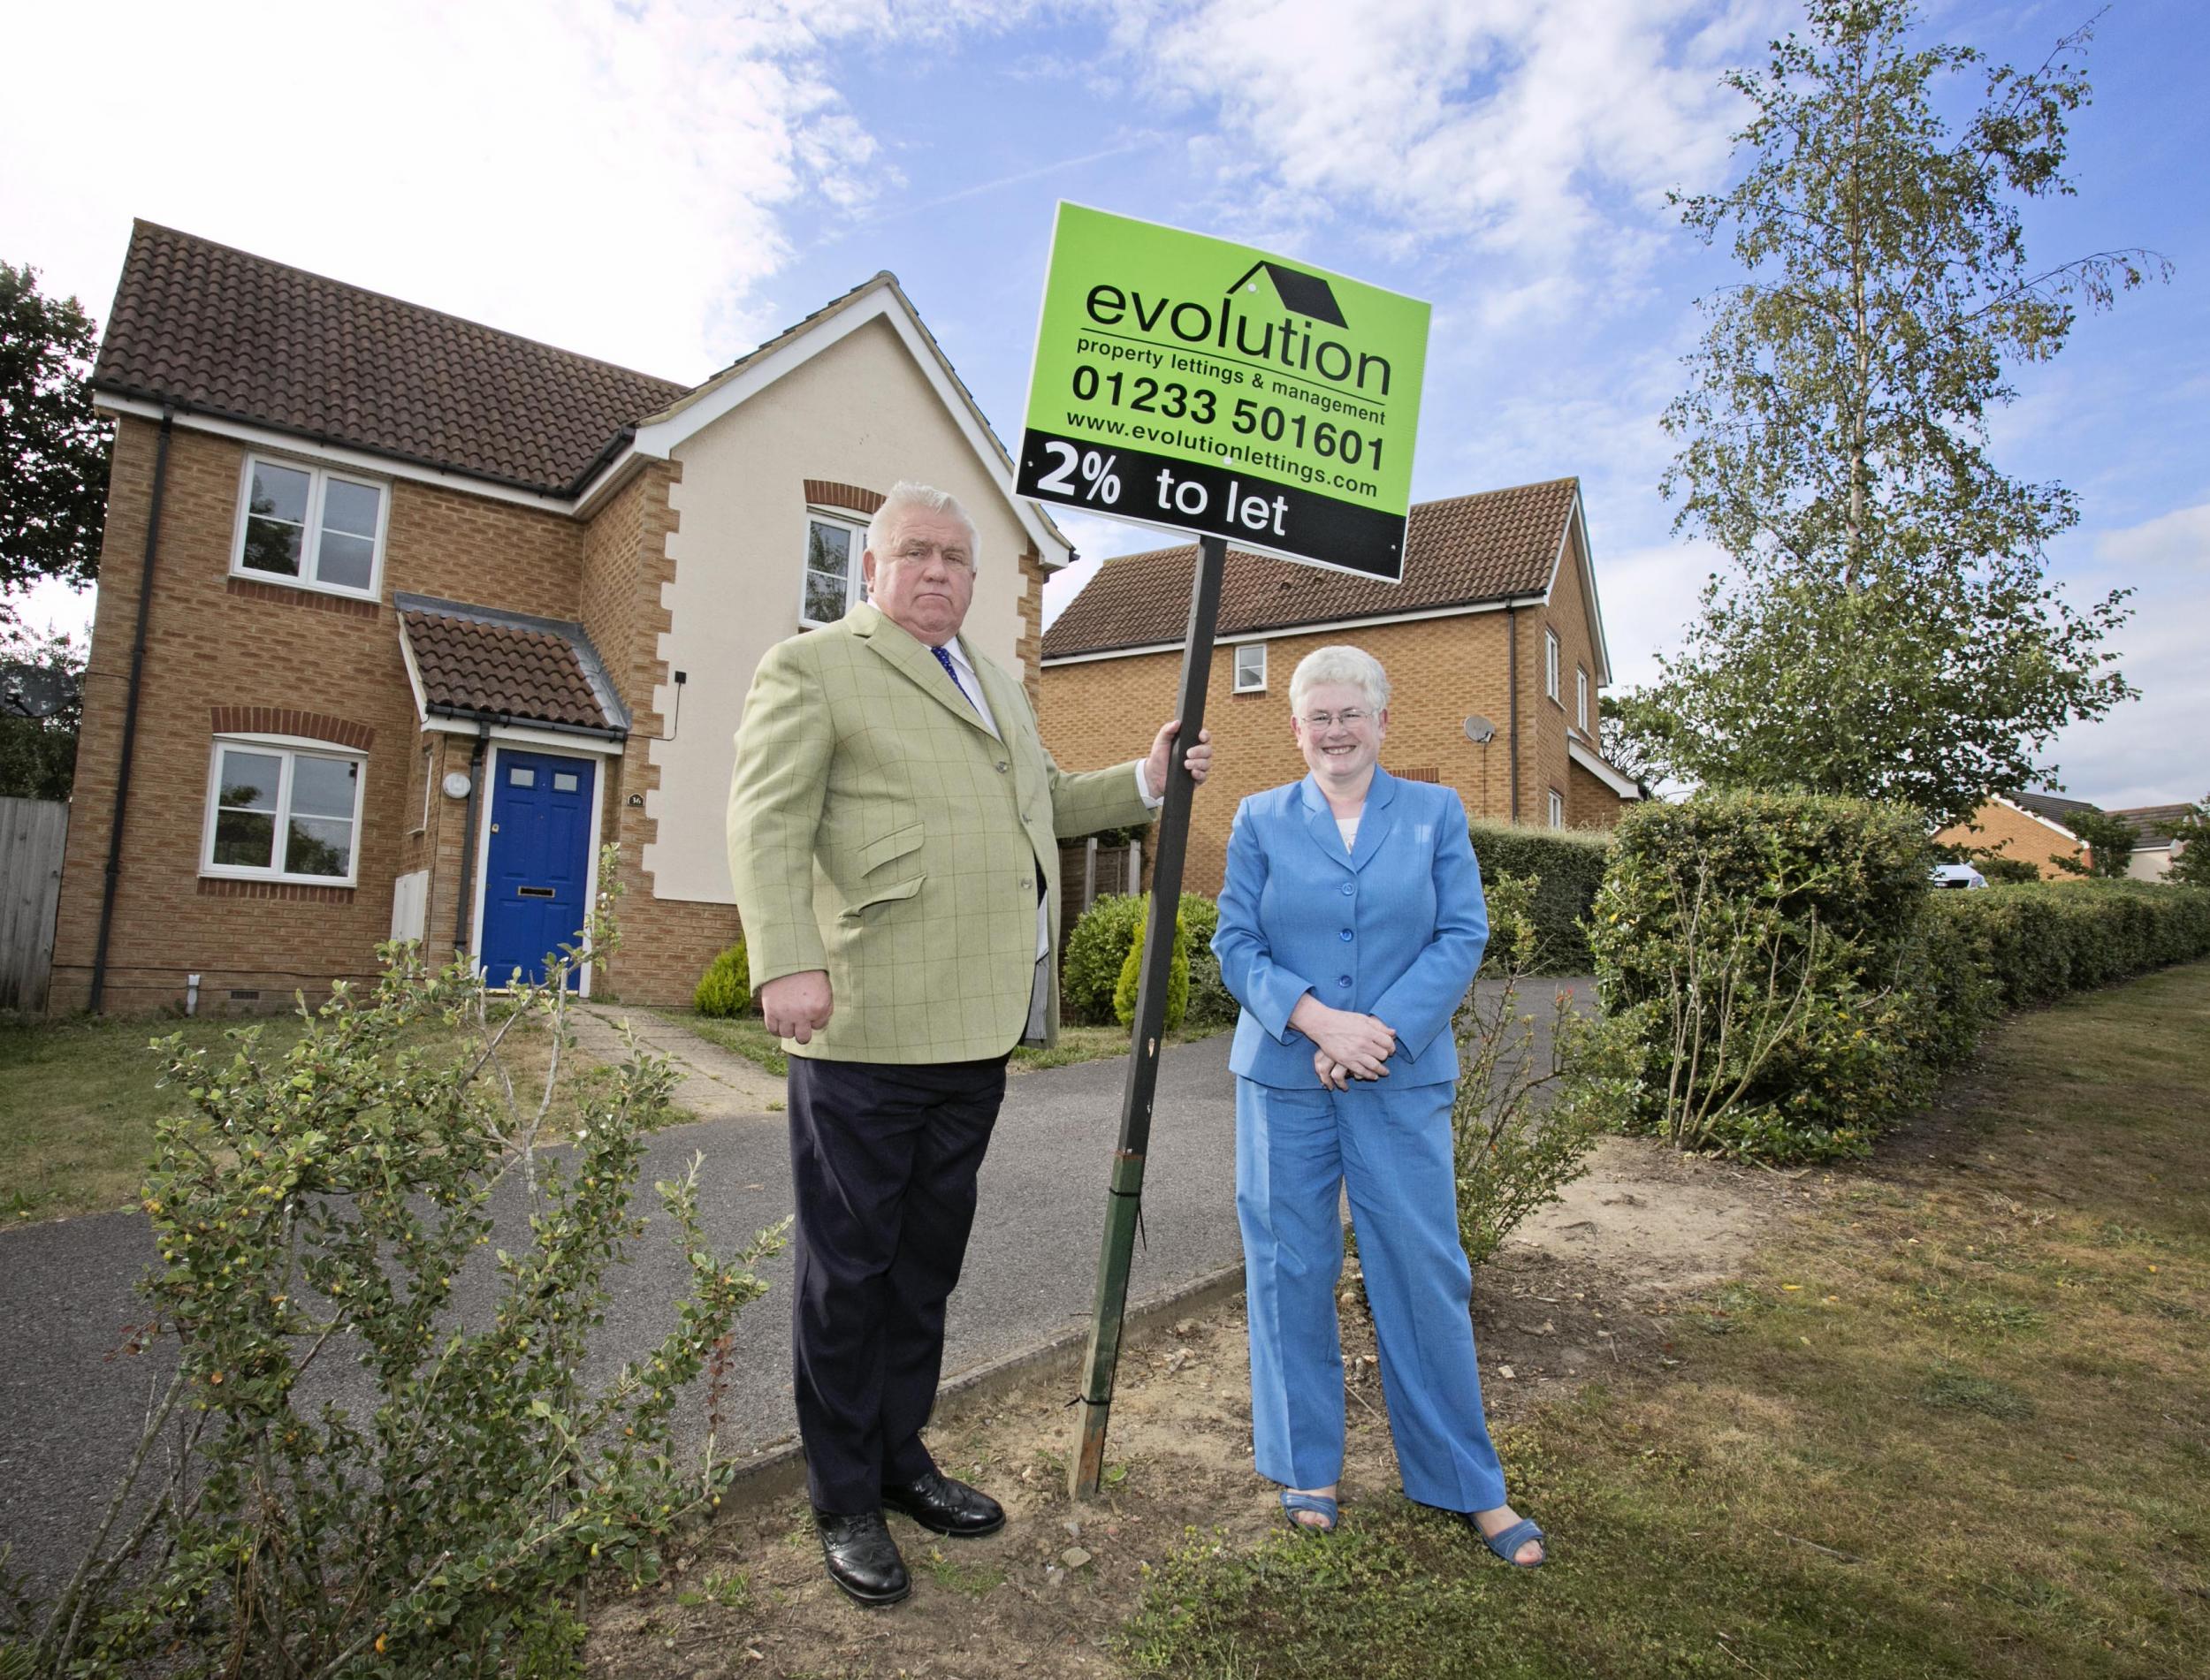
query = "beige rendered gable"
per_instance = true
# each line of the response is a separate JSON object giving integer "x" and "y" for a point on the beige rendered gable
{"x": 861, "y": 413}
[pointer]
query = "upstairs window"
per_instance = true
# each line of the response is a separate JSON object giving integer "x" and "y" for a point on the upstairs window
{"x": 832, "y": 582}
{"x": 1251, "y": 667}
{"x": 1550, "y": 664}
{"x": 311, "y": 527}
{"x": 280, "y": 813}
{"x": 1581, "y": 698}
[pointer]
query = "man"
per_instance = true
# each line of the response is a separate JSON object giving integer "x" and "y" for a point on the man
{"x": 894, "y": 830}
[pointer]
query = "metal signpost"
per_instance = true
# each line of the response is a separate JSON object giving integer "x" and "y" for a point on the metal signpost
{"x": 1202, "y": 386}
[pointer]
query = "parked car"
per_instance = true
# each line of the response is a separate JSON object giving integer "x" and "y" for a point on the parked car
{"x": 1957, "y": 875}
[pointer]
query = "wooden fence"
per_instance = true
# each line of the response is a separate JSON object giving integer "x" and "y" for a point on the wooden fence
{"x": 1088, "y": 871}
{"x": 32, "y": 834}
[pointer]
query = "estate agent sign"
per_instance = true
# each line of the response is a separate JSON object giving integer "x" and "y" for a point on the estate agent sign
{"x": 1190, "y": 382}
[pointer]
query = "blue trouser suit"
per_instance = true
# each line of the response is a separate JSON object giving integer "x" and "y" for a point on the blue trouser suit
{"x": 1394, "y": 929}
{"x": 1294, "y": 1150}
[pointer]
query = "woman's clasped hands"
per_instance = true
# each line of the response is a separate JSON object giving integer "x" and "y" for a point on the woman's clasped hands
{"x": 1347, "y": 1044}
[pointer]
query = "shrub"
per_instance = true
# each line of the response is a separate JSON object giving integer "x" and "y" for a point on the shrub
{"x": 1521, "y": 1123}
{"x": 327, "y": 1200}
{"x": 1211, "y": 1005}
{"x": 1566, "y": 867}
{"x": 1176, "y": 979}
{"x": 2002, "y": 870}
{"x": 1762, "y": 951}
{"x": 1089, "y": 967}
{"x": 724, "y": 990}
{"x": 1097, "y": 951}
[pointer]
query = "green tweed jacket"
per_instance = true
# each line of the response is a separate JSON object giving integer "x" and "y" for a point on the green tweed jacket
{"x": 878, "y": 830}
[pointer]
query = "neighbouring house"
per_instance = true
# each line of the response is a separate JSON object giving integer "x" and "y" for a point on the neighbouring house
{"x": 402, "y": 616}
{"x": 2026, "y": 826}
{"x": 1495, "y": 632}
{"x": 2154, "y": 851}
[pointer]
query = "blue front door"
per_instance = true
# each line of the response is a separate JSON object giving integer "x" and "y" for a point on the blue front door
{"x": 536, "y": 872}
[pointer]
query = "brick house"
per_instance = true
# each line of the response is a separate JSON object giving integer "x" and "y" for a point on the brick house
{"x": 2028, "y": 826}
{"x": 1496, "y": 619}
{"x": 435, "y": 608}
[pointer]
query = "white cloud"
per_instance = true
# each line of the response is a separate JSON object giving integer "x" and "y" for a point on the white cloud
{"x": 1521, "y": 131}
{"x": 612, "y": 179}
{"x": 2177, "y": 542}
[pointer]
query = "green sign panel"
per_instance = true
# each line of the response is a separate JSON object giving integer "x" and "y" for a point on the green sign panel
{"x": 1201, "y": 385}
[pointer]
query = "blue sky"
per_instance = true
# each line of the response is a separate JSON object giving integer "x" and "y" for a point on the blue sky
{"x": 666, "y": 183}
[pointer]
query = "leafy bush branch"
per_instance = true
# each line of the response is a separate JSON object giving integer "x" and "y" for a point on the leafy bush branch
{"x": 332, "y": 1200}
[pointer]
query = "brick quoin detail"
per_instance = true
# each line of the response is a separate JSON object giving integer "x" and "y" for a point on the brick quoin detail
{"x": 346, "y": 604}
{"x": 283, "y": 720}
{"x": 823, "y": 492}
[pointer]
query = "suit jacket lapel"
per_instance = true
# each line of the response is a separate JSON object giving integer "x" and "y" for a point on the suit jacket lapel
{"x": 894, "y": 643}
{"x": 1320, "y": 821}
{"x": 1376, "y": 820}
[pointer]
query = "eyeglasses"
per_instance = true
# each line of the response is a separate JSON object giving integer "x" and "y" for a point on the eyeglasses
{"x": 1350, "y": 717}
{"x": 918, "y": 551}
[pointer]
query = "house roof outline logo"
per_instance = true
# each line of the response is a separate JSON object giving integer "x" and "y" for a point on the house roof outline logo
{"x": 1300, "y": 293}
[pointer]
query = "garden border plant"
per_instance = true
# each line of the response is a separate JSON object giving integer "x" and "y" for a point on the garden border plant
{"x": 329, "y": 1199}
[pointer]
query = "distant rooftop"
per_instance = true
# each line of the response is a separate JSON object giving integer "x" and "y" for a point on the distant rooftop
{"x": 1496, "y": 545}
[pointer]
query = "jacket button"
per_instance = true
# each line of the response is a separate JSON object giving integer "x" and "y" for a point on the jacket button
{"x": 1349, "y": 887}
{"x": 1000, "y": 766}
{"x": 1346, "y": 933}
{"x": 1343, "y": 980}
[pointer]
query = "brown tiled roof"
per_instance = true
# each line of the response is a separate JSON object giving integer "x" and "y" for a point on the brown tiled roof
{"x": 215, "y": 330}
{"x": 477, "y": 662}
{"x": 2152, "y": 824}
{"x": 1498, "y": 545}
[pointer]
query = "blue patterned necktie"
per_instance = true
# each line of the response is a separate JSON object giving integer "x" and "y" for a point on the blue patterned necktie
{"x": 944, "y": 659}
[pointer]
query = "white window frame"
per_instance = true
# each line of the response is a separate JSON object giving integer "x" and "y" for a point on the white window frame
{"x": 319, "y": 479}
{"x": 290, "y": 747}
{"x": 1550, "y": 664}
{"x": 429, "y": 762}
{"x": 1557, "y": 808}
{"x": 1248, "y": 682}
{"x": 1581, "y": 698}
{"x": 856, "y": 589}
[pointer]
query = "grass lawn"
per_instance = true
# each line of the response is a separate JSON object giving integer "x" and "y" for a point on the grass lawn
{"x": 81, "y": 1099}
{"x": 1954, "y": 1421}
{"x": 748, "y": 1039}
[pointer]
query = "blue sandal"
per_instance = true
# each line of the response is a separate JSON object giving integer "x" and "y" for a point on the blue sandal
{"x": 1326, "y": 1508}
{"x": 1506, "y": 1545}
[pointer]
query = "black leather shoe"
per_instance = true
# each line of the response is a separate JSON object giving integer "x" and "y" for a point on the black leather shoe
{"x": 943, "y": 1506}
{"x": 863, "y": 1559}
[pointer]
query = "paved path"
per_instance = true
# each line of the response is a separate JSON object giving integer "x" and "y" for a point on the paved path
{"x": 70, "y": 1412}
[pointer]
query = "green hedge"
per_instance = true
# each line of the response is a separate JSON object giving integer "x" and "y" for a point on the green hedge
{"x": 2037, "y": 943}
{"x": 1832, "y": 982}
{"x": 1763, "y": 951}
{"x": 1568, "y": 865}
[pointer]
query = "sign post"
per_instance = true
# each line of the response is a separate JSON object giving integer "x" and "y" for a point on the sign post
{"x": 1207, "y": 388}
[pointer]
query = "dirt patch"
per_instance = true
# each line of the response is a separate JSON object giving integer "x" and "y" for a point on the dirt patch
{"x": 1586, "y": 1289}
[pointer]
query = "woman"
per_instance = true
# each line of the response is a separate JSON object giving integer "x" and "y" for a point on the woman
{"x": 1350, "y": 925}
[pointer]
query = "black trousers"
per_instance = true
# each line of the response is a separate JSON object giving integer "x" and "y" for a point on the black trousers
{"x": 883, "y": 1159}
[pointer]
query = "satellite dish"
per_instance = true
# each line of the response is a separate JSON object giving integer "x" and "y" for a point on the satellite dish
{"x": 34, "y": 690}
{"x": 1479, "y": 730}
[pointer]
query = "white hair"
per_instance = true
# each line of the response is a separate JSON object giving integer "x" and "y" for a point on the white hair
{"x": 1353, "y": 667}
{"x": 905, "y": 495}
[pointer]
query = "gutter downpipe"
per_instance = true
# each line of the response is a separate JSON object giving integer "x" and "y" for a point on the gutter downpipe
{"x": 113, "y": 872}
{"x": 468, "y": 845}
{"x": 1512, "y": 682}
